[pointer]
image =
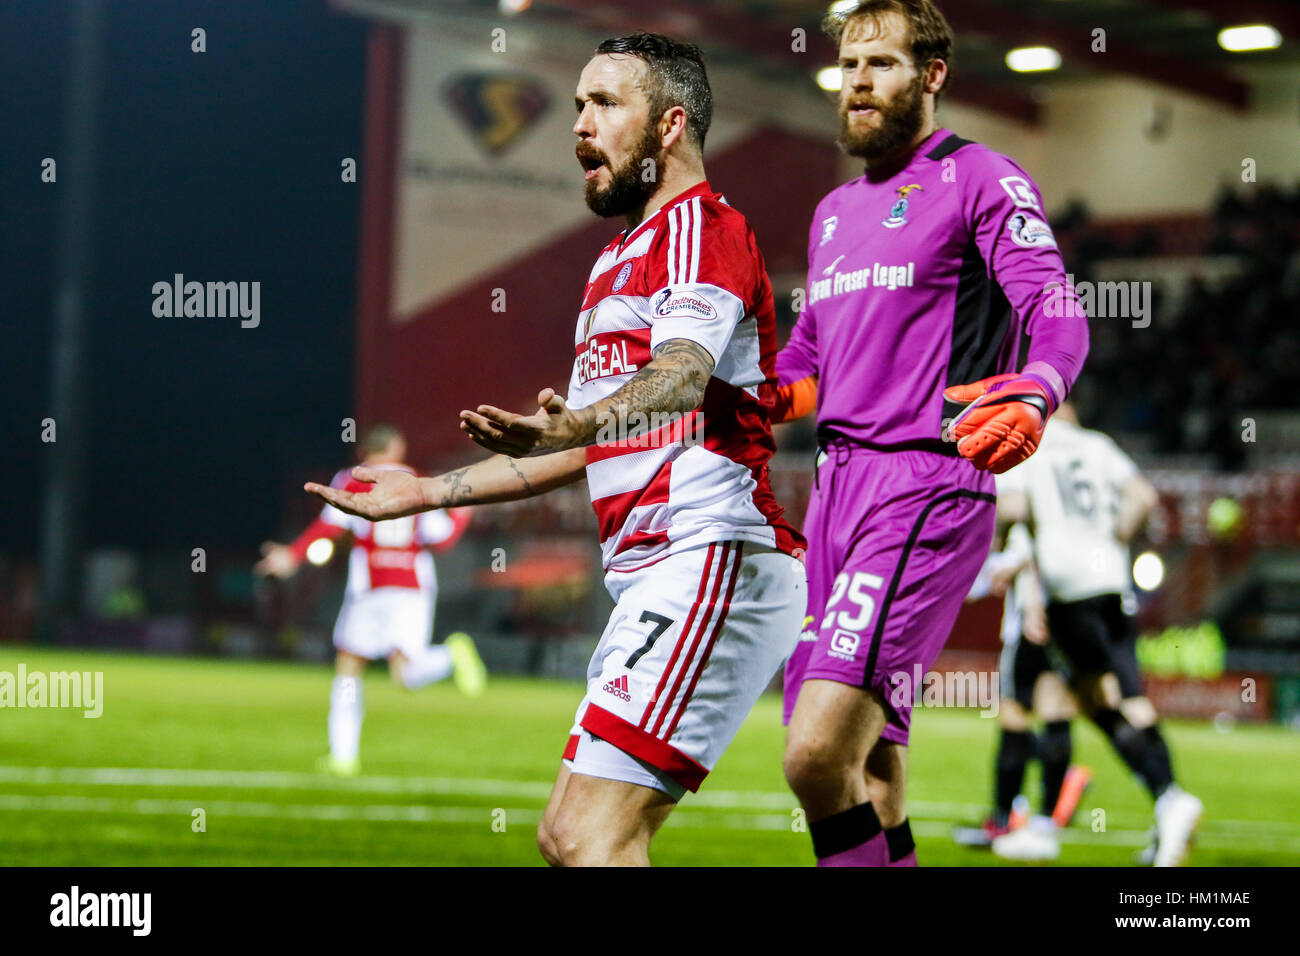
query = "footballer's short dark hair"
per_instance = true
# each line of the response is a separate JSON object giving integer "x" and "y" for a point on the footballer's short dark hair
{"x": 378, "y": 437}
{"x": 929, "y": 36}
{"x": 674, "y": 76}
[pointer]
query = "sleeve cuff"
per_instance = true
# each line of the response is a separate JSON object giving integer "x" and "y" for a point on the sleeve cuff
{"x": 1051, "y": 380}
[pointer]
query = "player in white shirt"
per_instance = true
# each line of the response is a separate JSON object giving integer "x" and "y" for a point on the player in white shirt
{"x": 1030, "y": 684}
{"x": 667, "y": 418}
{"x": 387, "y": 611}
{"x": 1084, "y": 500}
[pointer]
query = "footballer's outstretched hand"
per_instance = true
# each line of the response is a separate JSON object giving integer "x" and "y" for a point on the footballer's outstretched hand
{"x": 1004, "y": 421}
{"x": 393, "y": 494}
{"x": 553, "y": 427}
{"x": 278, "y": 561}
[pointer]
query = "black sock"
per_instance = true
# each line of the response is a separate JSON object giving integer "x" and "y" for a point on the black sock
{"x": 844, "y": 830}
{"x": 1144, "y": 751}
{"x": 900, "y": 841}
{"x": 1054, "y": 751}
{"x": 1014, "y": 750}
{"x": 1158, "y": 767}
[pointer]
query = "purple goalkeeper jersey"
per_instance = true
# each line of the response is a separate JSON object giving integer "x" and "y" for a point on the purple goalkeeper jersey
{"x": 925, "y": 278}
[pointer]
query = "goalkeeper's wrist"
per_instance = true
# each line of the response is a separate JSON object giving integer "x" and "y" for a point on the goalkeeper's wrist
{"x": 1052, "y": 384}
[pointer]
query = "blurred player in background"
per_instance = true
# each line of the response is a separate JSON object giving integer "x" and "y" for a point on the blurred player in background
{"x": 391, "y": 593}
{"x": 923, "y": 275}
{"x": 1029, "y": 685}
{"x": 677, "y": 327}
{"x": 1085, "y": 500}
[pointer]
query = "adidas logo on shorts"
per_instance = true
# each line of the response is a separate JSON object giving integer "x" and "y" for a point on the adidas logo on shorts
{"x": 618, "y": 687}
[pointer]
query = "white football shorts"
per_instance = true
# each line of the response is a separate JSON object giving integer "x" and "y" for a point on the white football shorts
{"x": 374, "y": 624}
{"x": 693, "y": 641}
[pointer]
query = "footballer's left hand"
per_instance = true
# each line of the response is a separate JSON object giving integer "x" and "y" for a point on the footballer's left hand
{"x": 277, "y": 561}
{"x": 1004, "y": 421}
{"x": 553, "y": 427}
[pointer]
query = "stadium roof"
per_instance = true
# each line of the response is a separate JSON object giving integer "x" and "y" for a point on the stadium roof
{"x": 1168, "y": 42}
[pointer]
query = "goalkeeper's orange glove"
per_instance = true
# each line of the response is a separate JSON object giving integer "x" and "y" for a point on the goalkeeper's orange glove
{"x": 1004, "y": 421}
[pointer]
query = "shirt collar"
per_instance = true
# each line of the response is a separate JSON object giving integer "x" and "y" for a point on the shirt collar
{"x": 701, "y": 188}
{"x": 921, "y": 148}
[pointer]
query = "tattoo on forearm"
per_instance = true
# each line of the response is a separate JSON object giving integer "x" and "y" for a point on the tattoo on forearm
{"x": 696, "y": 362}
{"x": 514, "y": 466}
{"x": 673, "y": 382}
{"x": 458, "y": 490}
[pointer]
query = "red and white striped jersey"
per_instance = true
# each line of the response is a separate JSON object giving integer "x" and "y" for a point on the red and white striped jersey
{"x": 692, "y": 270}
{"x": 386, "y": 554}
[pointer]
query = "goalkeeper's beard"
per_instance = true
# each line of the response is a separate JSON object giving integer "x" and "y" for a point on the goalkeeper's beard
{"x": 627, "y": 191}
{"x": 900, "y": 122}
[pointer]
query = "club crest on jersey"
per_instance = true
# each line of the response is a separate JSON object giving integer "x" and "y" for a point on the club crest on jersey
{"x": 683, "y": 304}
{"x": 1030, "y": 232}
{"x": 623, "y": 275}
{"x": 898, "y": 211}
{"x": 828, "y": 228}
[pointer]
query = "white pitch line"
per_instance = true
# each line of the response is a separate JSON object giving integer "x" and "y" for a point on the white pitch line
{"x": 920, "y": 810}
{"x": 272, "y": 780}
{"x": 344, "y": 813}
{"x": 251, "y": 808}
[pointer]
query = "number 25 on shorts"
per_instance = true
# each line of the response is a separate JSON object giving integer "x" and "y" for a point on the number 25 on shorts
{"x": 853, "y": 587}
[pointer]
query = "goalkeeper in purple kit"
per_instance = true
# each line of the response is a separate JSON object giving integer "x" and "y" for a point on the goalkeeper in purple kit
{"x": 925, "y": 277}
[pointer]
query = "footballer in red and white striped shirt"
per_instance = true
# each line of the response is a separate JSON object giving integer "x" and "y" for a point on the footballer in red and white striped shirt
{"x": 667, "y": 417}
{"x": 391, "y": 594}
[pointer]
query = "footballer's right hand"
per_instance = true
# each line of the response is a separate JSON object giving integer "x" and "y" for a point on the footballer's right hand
{"x": 392, "y": 494}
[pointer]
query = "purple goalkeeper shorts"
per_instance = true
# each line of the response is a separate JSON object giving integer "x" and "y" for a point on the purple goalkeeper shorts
{"x": 895, "y": 540}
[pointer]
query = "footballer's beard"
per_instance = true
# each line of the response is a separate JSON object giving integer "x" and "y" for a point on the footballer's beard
{"x": 900, "y": 121}
{"x": 628, "y": 189}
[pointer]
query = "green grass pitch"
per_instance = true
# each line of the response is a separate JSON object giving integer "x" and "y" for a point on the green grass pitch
{"x": 451, "y": 781}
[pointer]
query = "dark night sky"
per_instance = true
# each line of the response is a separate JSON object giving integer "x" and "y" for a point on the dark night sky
{"x": 222, "y": 166}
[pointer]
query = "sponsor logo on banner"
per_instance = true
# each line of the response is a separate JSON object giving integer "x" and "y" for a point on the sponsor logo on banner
{"x": 623, "y": 274}
{"x": 1030, "y": 232}
{"x": 496, "y": 108}
{"x": 683, "y": 304}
